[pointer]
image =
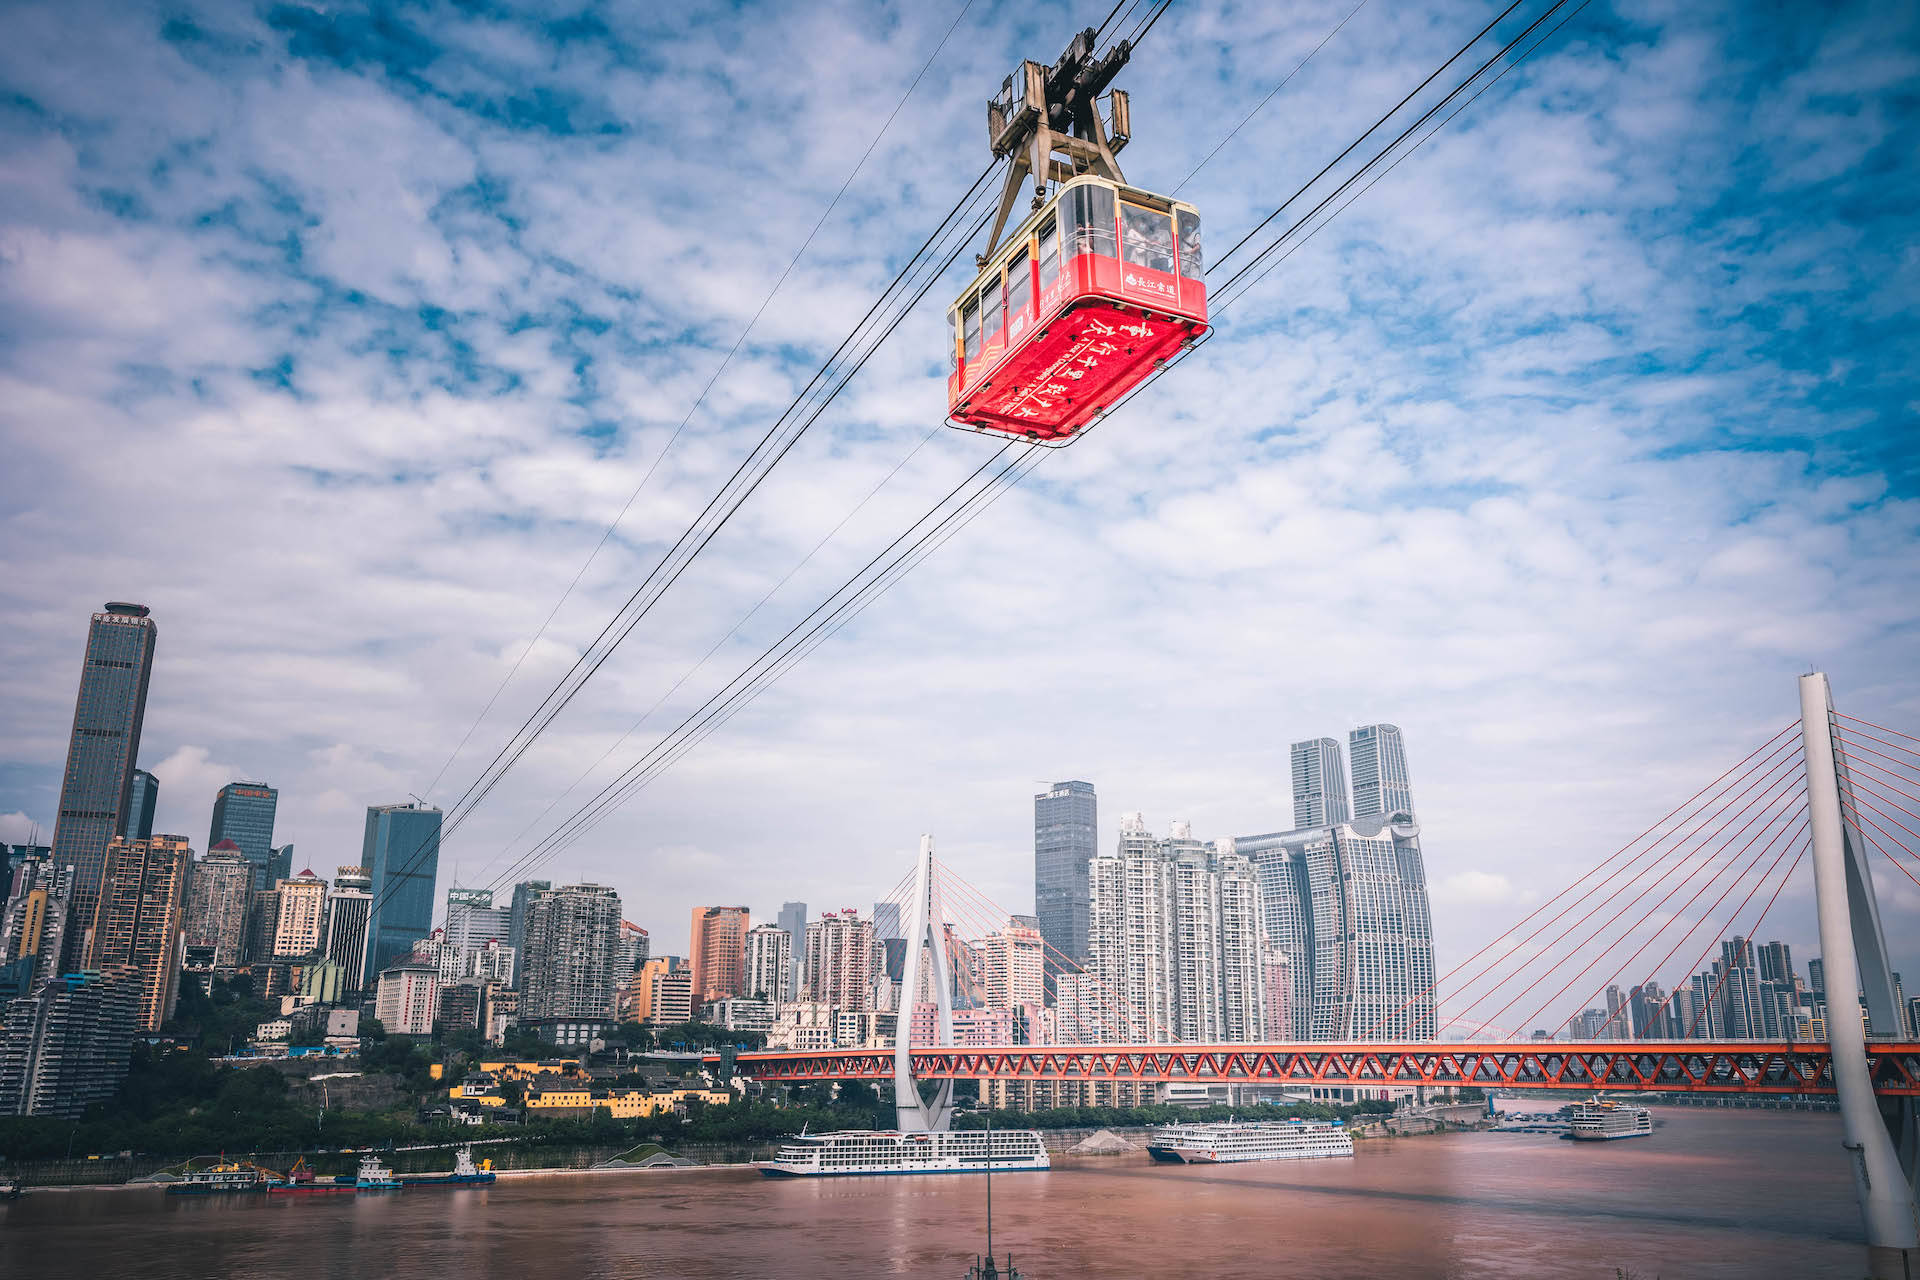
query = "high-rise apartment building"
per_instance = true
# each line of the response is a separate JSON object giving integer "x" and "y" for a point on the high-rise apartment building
{"x": 137, "y": 925}
{"x": 1016, "y": 966}
{"x": 769, "y": 957}
{"x": 1319, "y": 784}
{"x": 243, "y": 812}
{"x": 66, "y": 1046}
{"x": 35, "y": 920}
{"x": 573, "y": 936}
{"x": 523, "y": 896}
{"x": 401, "y": 851}
{"x": 636, "y": 948}
{"x": 1174, "y": 939}
{"x": 216, "y": 924}
{"x": 716, "y": 952}
{"x": 107, "y": 717}
{"x": 1066, "y": 837}
{"x": 143, "y": 797}
{"x": 408, "y": 997}
{"x": 793, "y": 918}
{"x": 840, "y": 960}
{"x": 348, "y": 908}
{"x": 300, "y": 924}
{"x": 1380, "y": 779}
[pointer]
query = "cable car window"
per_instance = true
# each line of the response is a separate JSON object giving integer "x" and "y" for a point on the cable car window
{"x": 990, "y": 314}
{"x": 970, "y": 325}
{"x": 1092, "y": 221}
{"x": 1019, "y": 285}
{"x": 1049, "y": 254}
{"x": 954, "y": 340}
{"x": 1146, "y": 238}
{"x": 1190, "y": 263}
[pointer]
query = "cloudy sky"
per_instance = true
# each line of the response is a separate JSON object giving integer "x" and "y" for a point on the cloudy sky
{"x": 339, "y": 337}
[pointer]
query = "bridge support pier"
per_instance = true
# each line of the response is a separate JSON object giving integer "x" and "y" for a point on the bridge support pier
{"x": 1881, "y": 1135}
{"x": 913, "y": 1111}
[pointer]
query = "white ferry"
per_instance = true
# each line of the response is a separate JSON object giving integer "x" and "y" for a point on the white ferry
{"x": 874, "y": 1151}
{"x": 1598, "y": 1121}
{"x": 1231, "y": 1141}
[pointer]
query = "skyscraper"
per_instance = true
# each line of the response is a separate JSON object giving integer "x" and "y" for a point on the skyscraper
{"x": 243, "y": 813}
{"x": 66, "y": 1047}
{"x": 573, "y": 936}
{"x": 1066, "y": 836}
{"x": 348, "y": 907}
{"x": 142, "y": 798}
{"x": 523, "y": 896}
{"x": 716, "y": 950}
{"x": 793, "y": 918}
{"x": 1380, "y": 781}
{"x": 216, "y": 924}
{"x": 137, "y": 925}
{"x": 769, "y": 964}
{"x": 840, "y": 949}
{"x": 36, "y": 919}
{"x": 401, "y": 851}
{"x": 300, "y": 926}
{"x": 472, "y": 919}
{"x": 1016, "y": 966}
{"x": 107, "y": 717}
{"x": 886, "y": 921}
{"x": 1319, "y": 784}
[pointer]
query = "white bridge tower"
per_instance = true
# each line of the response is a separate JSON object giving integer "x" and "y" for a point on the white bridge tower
{"x": 925, "y": 930}
{"x": 1882, "y": 1134}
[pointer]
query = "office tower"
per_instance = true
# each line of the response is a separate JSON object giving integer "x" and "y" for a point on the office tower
{"x": 1776, "y": 963}
{"x": 473, "y": 920}
{"x": 523, "y": 896}
{"x": 143, "y": 796}
{"x": 1066, "y": 836}
{"x": 1348, "y": 904}
{"x": 769, "y": 960}
{"x": 1016, "y": 966}
{"x": 1319, "y": 785}
{"x": 107, "y": 717}
{"x": 1380, "y": 780}
{"x": 886, "y": 921}
{"x": 1739, "y": 977}
{"x": 793, "y": 918}
{"x": 217, "y": 900}
{"x": 137, "y": 925}
{"x": 840, "y": 950}
{"x": 716, "y": 949}
{"x": 401, "y": 851}
{"x": 1817, "y": 976}
{"x": 408, "y": 997}
{"x": 243, "y": 813}
{"x": 66, "y": 1046}
{"x": 573, "y": 935}
{"x": 280, "y": 863}
{"x": 1174, "y": 936}
{"x": 348, "y": 908}
{"x": 301, "y": 920}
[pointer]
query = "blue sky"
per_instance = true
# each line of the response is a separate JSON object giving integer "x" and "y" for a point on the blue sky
{"x": 338, "y": 336}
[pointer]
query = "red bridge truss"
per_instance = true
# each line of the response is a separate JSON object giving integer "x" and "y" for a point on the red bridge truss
{"x": 1749, "y": 1067}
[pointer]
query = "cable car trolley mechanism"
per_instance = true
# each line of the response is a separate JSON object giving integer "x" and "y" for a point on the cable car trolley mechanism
{"x": 1099, "y": 286}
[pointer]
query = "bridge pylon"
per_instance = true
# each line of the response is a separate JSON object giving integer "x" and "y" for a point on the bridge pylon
{"x": 1882, "y": 1134}
{"x": 915, "y": 1112}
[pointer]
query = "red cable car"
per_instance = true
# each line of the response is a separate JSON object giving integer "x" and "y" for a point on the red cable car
{"x": 1099, "y": 286}
{"x": 1092, "y": 294}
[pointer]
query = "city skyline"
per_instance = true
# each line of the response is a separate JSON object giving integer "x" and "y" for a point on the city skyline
{"x": 1576, "y": 591}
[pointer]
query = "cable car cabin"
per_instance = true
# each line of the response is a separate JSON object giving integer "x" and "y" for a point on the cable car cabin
{"x": 1077, "y": 308}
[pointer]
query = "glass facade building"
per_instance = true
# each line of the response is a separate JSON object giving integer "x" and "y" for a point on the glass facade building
{"x": 1379, "y": 758}
{"x": 243, "y": 813}
{"x": 1066, "y": 836}
{"x": 1319, "y": 785}
{"x": 401, "y": 852}
{"x": 107, "y": 718}
{"x": 142, "y": 797}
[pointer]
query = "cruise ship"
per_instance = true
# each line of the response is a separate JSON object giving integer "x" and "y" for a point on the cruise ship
{"x": 1233, "y": 1141}
{"x": 1598, "y": 1121}
{"x": 875, "y": 1151}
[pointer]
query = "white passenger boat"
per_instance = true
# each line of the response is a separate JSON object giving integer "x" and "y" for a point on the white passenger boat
{"x": 875, "y": 1151}
{"x": 1598, "y": 1121}
{"x": 1232, "y": 1141}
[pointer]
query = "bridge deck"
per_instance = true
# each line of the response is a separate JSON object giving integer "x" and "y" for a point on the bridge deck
{"x": 1687, "y": 1066}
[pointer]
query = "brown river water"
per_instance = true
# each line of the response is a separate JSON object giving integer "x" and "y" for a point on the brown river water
{"x": 1712, "y": 1193}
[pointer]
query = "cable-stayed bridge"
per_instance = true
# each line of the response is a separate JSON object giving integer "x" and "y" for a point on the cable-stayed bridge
{"x": 1837, "y": 792}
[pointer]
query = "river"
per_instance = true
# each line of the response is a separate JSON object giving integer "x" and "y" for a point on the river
{"x": 1713, "y": 1193}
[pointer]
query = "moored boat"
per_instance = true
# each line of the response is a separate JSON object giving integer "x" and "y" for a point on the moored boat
{"x": 375, "y": 1176}
{"x": 225, "y": 1178}
{"x": 301, "y": 1180}
{"x": 465, "y": 1173}
{"x": 1229, "y": 1142}
{"x": 851, "y": 1152}
{"x": 1598, "y": 1121}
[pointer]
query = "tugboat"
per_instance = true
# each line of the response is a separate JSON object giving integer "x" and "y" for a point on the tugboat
{"x": 465, "y": 1173}
{"x": 375, "y": 1176}
{"x": 225, "y": 1178}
